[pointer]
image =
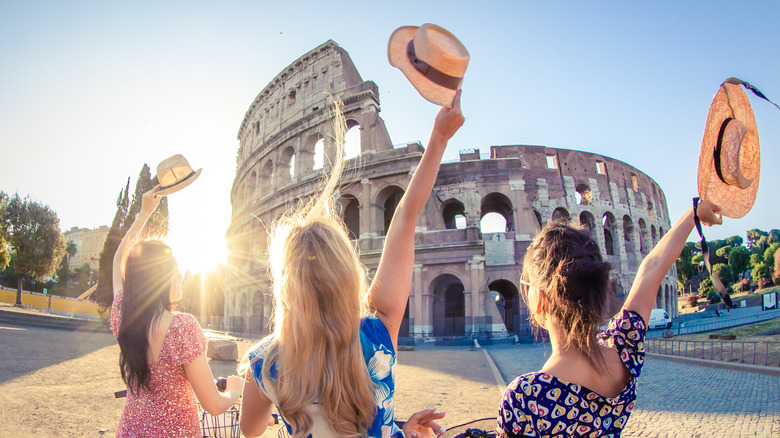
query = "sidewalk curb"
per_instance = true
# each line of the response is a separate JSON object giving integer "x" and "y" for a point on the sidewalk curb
{"x": 758, "y": 369}
{"x": 500, "y": 383}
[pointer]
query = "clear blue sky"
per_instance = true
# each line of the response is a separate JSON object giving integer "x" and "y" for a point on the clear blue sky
{"x": 89, "y": 91}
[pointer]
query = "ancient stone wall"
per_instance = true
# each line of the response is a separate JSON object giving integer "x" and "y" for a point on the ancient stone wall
{"x": 465, "y": 282}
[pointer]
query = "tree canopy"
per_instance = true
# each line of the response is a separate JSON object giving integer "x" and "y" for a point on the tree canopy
{"x": 35, "y": 239}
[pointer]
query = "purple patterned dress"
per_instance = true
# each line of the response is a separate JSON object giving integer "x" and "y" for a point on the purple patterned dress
{"x": 541, "y": 405}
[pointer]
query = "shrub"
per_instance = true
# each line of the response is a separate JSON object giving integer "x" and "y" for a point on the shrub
{"x": 764, "y": 282}
{"x": 713, "y": 297}
{"x": 746, "y": 284}
{"x": 706, "y": 287}
{"x": 693, "y": 300}
{"x": 736, "y": 287}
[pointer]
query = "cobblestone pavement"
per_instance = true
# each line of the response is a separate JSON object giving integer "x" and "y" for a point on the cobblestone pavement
{"x": 679, "y": 400}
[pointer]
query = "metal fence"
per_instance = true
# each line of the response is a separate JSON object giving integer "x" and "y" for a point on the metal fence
{"x": 691, "y": 327}
{"x": 765, "y": 353}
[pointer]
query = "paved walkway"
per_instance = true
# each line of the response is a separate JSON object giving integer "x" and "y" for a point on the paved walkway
{"x": 680, "y": 400}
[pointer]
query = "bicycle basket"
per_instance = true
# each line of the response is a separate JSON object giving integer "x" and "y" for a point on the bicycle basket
{"x": 224, "y": 425}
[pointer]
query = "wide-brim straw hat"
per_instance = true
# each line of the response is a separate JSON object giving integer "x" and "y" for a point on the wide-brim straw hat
{"x": 432, "y": 58}
{"x": 730, "y": 157}
{"x": 174, "y": 174}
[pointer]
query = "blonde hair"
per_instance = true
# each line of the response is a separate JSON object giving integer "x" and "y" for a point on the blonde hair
{"x": 320, "y": 296}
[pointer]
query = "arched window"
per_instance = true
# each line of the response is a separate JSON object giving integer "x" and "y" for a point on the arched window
{"x": 628, "y": 234}
{"x": 587, "y": 220}
{"x": 653, "y": 235}
{"x": 509, "y": 306}
{"x": 560, "y": 214}
{"x": 266, "y": 175}
{"x": 449, "y": 306}
{"x": 608, "y": 222}
{"x": 351, "y": 215}
{"x": 496, "y": 214}
{"x": 352, "y": 146}
{"x": 388, "y": 200}
{"x": 538, "y": 218}
{"x": 454, "y": 215}
{"x": 288, "y": 160}
{"x": 319, "y": 155}
{"x": 583, "y": 195}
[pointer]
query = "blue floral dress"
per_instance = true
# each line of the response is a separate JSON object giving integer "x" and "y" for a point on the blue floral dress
{"x": 379, "y": 355}
{"x": 541, "y": 405}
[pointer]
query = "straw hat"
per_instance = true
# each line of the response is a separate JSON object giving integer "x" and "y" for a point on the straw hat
{"x": 730, "y": 158}
{"x": 431, "y": 58}
{"x": 175, "y": 174}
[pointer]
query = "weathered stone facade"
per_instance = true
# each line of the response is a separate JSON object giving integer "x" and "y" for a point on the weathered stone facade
{"x": 465, "y": 282}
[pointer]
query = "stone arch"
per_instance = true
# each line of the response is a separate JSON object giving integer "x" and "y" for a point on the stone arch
{"x": 583, "y": 195}
{"x": 498, "y": 203}
{"x": 252, "y": 186}
{"x": 587, "y": 220}
{"x": 287, "y": 166}
{"x": 454, "y": 215}
{"x": 560, "y": 214}
{"x": 538, "y": 218}
{"x": 667, "y": 298}
{"x": 313, "y": 153}
{"x": 449, "y": 306}
{"x": 644, "y": 237}
{"x": 650, "y": 209}
{"x": 352, "y": 140}
{"x": 241, "y": 317}
{"x": 387, "y": 201}
{"x": 509, "y": 304}
{"x": 266, "y": 175}
{"x": 659, "y": 297}
{"x": 610, "y": 230}
{"x": 350, "y": 214}
{"x": 628, "y": 234}
{"x": 653, "y": 235}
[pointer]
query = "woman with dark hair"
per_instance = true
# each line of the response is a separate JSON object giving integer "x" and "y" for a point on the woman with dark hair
{"x": 162, "y": 359}
{"x": 588, "y": 386}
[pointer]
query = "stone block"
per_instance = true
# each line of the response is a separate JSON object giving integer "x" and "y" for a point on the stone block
{"x": 222, "y": 349}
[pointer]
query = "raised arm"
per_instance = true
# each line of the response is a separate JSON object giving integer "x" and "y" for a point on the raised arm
{"x": 655, "y": 266}
{"x": 392, "y": 283}
{"x": 149, "y": 203}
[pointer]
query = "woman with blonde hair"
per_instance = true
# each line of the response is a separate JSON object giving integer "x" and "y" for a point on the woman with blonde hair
{"x": 329, "y": 364}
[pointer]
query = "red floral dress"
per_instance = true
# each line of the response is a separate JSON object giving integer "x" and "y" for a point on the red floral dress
{"x": 169, "y": 407}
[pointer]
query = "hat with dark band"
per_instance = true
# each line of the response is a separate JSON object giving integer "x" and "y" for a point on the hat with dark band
{"x": 174, "y": 174}
{"x": 432, "y": 58}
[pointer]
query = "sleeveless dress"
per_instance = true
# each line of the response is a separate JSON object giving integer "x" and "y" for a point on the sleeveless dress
{"x": 379, "y": 356}
{"x": 169, "y": 407}
{"x": 541, "y": 405}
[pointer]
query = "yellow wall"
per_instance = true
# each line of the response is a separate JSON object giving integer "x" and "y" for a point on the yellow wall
{"x": 58, "y": 304}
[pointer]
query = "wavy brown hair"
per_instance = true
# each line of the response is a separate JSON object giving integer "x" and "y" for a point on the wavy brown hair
{"x": 565, "y": 265}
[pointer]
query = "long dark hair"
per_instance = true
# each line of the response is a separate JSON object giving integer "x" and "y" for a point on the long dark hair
{"x": 147, "y": 283}
{"x": 564, "y": 263}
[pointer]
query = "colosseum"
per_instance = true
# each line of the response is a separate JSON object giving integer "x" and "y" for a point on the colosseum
{"x": 465, "y": 280}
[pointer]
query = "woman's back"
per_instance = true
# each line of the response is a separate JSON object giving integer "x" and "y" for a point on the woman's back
{"x": 380, "y": 361}
{"x": 168, "y": 407}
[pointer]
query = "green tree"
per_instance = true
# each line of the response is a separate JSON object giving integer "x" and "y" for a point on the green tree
{"x": 5, "y": 255}
{"x": 753, "y": 237}
{"x": 684, "y": 263}
{"x": 70, "y": 250}
{"x": 35, "y": 237}
{"x": 769, "y": 256}
{"x": 104, "y": 293}
{"x": 127, "y": 210}
{"x": 705, "y": 287}
{"x": 724, "y": 272}
{"x": 734, "y": 241}
{"x": 756, "y": 259}
{"x": 760, "y": 270}
{"x": 739, "y": 259}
